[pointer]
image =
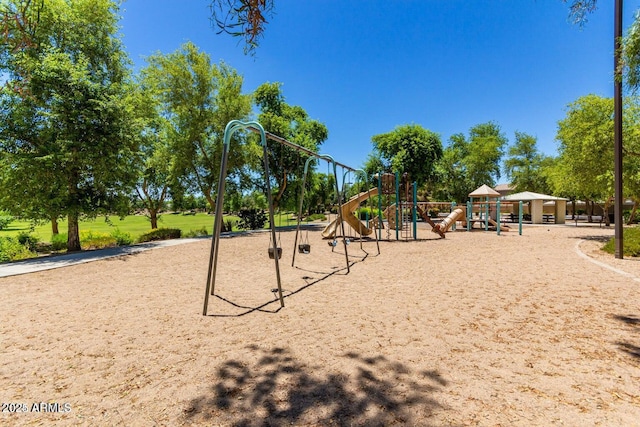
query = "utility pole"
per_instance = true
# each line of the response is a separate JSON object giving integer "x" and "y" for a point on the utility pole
{"x": 617, "y": 138}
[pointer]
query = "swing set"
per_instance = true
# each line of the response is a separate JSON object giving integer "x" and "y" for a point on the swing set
{"x": 304, "y": 247}
{"x": 274, "y": 250}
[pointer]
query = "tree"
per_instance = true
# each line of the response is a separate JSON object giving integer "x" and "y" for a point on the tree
{"x": 292, "y": 123}
{"x": 65, "y": 111}
{"x": 156, "y": 172}
{"x": 411, "y": 149}
{"x": 586, "y": 149}
{"x": 452, "y": 183}
{"x": 486, "y": 145}
{"x": 197, "y": 100}
{"x": 242, "y": 18}
{"x": 469, "y": 163}
{"x": 525, "y": 165}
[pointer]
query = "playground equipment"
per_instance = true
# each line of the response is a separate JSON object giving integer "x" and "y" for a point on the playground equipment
{"x": 488, "y": 215}
{"x": 442, "y": 227}
{"x": 330, "y": 161}
{"x": 347, "y": 210}
{"x": 232, "y": 127}
{"x": 401, "y": 213}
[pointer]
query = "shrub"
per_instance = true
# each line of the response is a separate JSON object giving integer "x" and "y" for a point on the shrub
{"x": 160, "y": 234}
{"x": 95, "y": 240}
{"x": 12, "y": 250}
{"x": 58, "y": 242}
{"x": 315, "y": 217}
{"x": 122, "y": 238}
{"x": 5, "y": 220}
{"x": 227, "y": 225}
{"x": 364, "y": 211}
{"x": 28, "y": 240}
{"x": 197, "y": 233}
{"x": 630, "y": 242}
{"x": 252, "y": 219}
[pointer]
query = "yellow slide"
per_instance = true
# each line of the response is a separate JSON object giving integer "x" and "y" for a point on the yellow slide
{"x": 348, "y": 216}
{"x": 451, "y": 219}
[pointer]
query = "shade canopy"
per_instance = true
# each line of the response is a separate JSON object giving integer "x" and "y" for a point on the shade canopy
{"x": 484, "y": 191}
{"x": 527, "y": 196}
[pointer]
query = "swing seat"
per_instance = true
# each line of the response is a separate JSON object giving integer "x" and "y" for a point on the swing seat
{"x": 271, "y": 253}
{"x": 304, "y": 248}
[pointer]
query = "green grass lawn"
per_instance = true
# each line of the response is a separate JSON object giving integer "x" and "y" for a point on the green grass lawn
{"x": 630, "y": 242}
{"x": 135, "y": 225}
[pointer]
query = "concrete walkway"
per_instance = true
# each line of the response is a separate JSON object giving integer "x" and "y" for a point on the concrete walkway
{"x": 57, "y": 261}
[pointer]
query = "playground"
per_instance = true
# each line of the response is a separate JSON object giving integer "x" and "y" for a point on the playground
{"x": 474, "y": 329}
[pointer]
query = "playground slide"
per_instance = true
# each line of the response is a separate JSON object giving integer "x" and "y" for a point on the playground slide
{"x": 347, "y": 215}
{"x": 502, "y": 226}
{"x": 451, "y": 219}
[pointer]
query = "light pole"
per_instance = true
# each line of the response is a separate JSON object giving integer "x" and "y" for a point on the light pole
{"x": 617, "y": 138}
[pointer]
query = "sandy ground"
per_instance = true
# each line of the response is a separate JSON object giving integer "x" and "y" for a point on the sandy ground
{"x": 475, "y": 329}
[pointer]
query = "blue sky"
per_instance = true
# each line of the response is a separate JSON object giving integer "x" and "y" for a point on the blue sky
{"x": 363, "y": 67}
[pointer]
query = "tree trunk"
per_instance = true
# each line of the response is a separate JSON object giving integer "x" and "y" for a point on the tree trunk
{"x": 605, "y": 213}
{"x": 153, "y": 216}
{"x": 54, "y": 226}
{"x": 589, "y": 208}
{"x": 212, "y": 203}
{"x": 573, "y": 209}
{"x": 632, "y": 215}
{"x": 73, "y": 234}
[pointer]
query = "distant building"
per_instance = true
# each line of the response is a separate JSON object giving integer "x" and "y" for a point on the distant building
{"x": 504, "y": 189}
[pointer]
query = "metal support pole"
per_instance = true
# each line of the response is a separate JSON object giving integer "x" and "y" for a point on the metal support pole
{"x": 414, "y": 211}
{"x": 340, "y": 219}
{"x": 453, "y": 208}
{"x": 365, "y": 179}
{"x": 520, "y": 208}
{"x": 380, "y": 225}
{"x": 486, "y": 215}
{"x": 498, "y": 216}
{"x": 397, "y": 179}
{"x": 618, "y": 194}
{"x": 230, "y": 129}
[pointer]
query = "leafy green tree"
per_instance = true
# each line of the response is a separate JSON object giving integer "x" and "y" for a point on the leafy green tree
{"x": 198, "y": 99}
{"x": 631, "y": 159}
{"x": 486, "y": 147}
{"x": 586, "y": 150}
{"x": 374, "y": 164}
{"x": 156, "y": 174}
{"x": 411, "y": 149}
{"x": 468, "y": 163}
{"x": 292, "y": 123}
{"x": 65, "y": 131}
{"x": 524, "y": 165}
{"x": 452, "y": 183}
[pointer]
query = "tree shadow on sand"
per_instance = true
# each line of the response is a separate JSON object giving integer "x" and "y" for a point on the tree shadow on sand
{"x": 634, "y": 323}
{"x": 276, "y": 389}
